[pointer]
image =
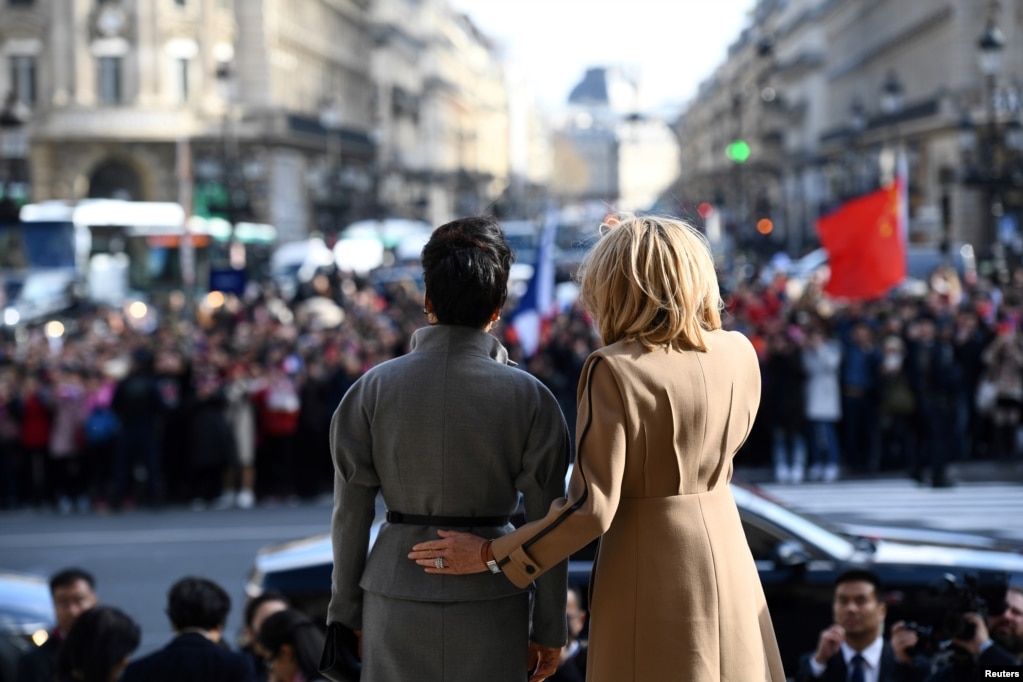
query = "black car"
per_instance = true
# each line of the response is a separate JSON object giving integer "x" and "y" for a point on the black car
{"x": 26, "y": 617}
{"x": 798, "y": 560}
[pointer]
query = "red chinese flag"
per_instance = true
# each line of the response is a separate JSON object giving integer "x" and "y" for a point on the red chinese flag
{"x": 866, "y": 248}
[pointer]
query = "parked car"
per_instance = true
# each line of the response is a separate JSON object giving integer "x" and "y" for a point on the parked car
{"x": 294, "y": 264}
{"x": 798, "y": 559}
{"x": 388, "y": 231}
{"x": 42, "y": 295}
{"x": 26, "y": 616}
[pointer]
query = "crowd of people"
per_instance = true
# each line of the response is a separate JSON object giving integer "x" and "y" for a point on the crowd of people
{"x": 234, "y": 405}
{"x": 231, "y": 406}
{"x": 910, "y": 381}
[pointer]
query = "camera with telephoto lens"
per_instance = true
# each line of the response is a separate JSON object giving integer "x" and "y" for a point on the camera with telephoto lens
{"x": 969, "y": 595}
{"x": 927, "y": 639}
{"x": 923, "y": 632}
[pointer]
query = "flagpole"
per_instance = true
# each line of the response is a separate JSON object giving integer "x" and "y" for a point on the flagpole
{"x": 902, "y": 178}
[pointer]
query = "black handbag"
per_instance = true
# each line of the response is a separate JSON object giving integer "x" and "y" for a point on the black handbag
{"x": 340, "y": 659}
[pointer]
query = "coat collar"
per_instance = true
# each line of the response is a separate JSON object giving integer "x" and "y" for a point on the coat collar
{"x": 449, "y": 338}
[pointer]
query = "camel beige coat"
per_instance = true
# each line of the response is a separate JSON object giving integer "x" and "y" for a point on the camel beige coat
{"x": 675, "y": 594}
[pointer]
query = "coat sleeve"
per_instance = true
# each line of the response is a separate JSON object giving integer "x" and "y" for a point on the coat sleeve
{"x": 594, "y": 489}
{"x": 805, "y": 672}
{"x": 355, "y": 489}
{"x": 542, "y": 482}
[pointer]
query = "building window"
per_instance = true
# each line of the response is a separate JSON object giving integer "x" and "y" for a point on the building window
{"x": 23, "y": 78}
{"x": 181, "y": 68}
{"x": 110, "y": 80}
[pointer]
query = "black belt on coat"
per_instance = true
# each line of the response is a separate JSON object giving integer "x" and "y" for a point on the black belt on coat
{"x": 422, "y": 520}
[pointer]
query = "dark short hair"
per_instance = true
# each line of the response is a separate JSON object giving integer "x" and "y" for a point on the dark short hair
{"x": 266, "y": 596}
{"x": 100, "y": 639}
{"x": 861, "y": 575}
{"x": 69, "y": 576}
{"x": 197, "y": 603}
{"x": 465, "y": 268}
{"x": 293, "y": 627}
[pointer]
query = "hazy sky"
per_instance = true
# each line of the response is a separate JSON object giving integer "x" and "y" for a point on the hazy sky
{"x": 674, "y": 44}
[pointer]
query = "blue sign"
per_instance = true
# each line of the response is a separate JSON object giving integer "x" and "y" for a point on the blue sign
{"x": 228, "y": 280}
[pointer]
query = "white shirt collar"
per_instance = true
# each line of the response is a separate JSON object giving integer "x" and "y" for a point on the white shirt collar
{"x": 871, "y": 655}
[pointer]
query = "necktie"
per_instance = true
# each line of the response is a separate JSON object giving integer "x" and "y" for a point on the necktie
{"x": 857, "y": 674}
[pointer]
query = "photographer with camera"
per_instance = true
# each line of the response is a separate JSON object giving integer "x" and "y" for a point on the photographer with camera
{"x": 996, "y": 644}
{"x": 853, "y": 649}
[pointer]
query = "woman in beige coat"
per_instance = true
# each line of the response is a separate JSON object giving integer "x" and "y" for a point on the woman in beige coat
{"x": 663, "y": 408}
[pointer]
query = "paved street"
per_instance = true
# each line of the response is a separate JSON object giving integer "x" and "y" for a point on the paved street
{"x": 137, "y": 556}
{"x": 987, "y": 508}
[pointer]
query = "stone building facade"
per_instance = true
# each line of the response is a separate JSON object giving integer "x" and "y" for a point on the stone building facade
{"x": 266, "y": 110}
{"x": 831, "y": 94}
{"x": 442, "y": 112}
{"x": 605, "y": 150}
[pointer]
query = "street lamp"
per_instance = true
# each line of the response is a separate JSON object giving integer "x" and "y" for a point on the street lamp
{"x": 333, "y": 204}
{"x": 857, "y": 116}
{"x": 967, "y": 139}
{"x": 993, "y": 163}
{"x": 891, "y": 94}
{"x": 857, "y": 124}
{"x": 990, "y": 48}
{"x": 13, "y": 151}
{"x": 235, "y": 204}
{"x": 891, "y": 105}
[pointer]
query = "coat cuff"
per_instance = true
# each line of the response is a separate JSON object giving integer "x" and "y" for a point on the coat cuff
{"x": 518, "y": 566}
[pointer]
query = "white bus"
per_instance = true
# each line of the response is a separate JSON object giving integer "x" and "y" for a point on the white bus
{"x": 129, "y": 249}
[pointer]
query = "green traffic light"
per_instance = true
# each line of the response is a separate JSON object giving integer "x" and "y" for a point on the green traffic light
{"x": 738, "y": 151}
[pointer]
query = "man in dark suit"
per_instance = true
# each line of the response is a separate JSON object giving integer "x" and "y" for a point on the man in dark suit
{"x": 572, "y": 664}
{"x": 73, "y": 593}
{"x": 853, "y": 649}
{"x": 997, "y": 643}
{"x": 198, "y": 610}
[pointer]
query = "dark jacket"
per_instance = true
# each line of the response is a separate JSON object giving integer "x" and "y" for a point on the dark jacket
{"x": 993, "y": 658}
{"x": 212, "y": 441}
{"x": 932, "y": 370}
{"x": 572, "y": 670}
{"x": 39, "y": 664}
{"x": 783, "y": 396}
{"x": 891, "y": 669}
{"x": 137, "y": 399}
{"x": 193, "y": 657}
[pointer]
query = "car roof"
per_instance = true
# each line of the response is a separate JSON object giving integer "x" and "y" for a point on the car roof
{"x": 25, "y": 603}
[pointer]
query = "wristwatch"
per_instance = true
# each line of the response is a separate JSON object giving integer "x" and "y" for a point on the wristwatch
{"x": 492, "y": 561}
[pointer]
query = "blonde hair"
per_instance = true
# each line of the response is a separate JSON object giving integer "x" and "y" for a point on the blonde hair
{"x": 651, "y": 279}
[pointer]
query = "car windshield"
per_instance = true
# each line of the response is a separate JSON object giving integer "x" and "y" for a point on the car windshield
{"x": 799, "y": 526}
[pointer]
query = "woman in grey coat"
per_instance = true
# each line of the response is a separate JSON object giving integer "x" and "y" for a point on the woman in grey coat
{"x": 449, "y": 435}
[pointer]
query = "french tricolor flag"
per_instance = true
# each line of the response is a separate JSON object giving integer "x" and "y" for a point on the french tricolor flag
{"x": 537, "y": 306}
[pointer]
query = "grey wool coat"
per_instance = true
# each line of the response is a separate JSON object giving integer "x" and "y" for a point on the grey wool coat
{"x": 675, "y": 594}
{"x": 449, "y": 429}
